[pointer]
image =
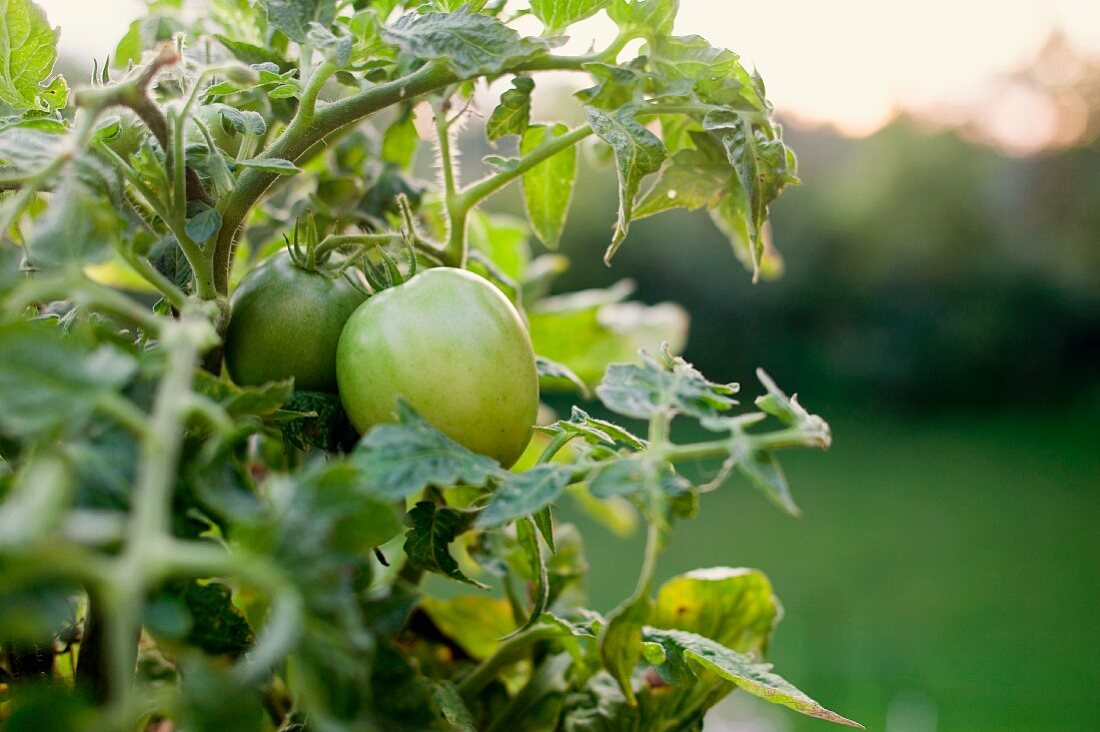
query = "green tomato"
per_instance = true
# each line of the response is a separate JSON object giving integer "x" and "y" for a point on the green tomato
{"x": 450, "y": 344}
{"x": 285, "y": 322}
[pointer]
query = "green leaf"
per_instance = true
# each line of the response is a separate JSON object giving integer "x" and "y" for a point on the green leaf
{"x": 671, "y": 386}
{"x": 638, "y": 152}
{"x": 203, "y": 225}
{"x": 686, "y": 653}
{"x": 82, "y": 222}
{"x": 556, "y": 15}
{"x": 525, "y": 493}
{"x": 401, "y": 141}
{"x": 242, "y": 120}
{"x": 690, "y": 64}
{"x": 28, "y": 50}
{"x": 595, "y": 431}
{"x": 48, "y": 381}
{"x": 398, "y": 460}
{"x": 764, "y": 168}
{"x": 41, "y": 493}
{"x": 689, "y": 179}
{"x": 270, "y": 165}
{"x": 620, "y": 640}
{"x": 638, "y": 476}
{"x": 764, "y": 471}
{"x": 474, "y": 622}
{"x": 473, "y": 44}
{"x": 317, "y": 420}
{"x": 210, "y": 619}
{"x": 733, "y": 607}
{"x": 512, "y": 115}
{"x": 241, "y": 401}
{"x": 590, "y": 329}
{"x": 615, "y": 86}
{"x": 432, "y": 528}
{"x": 789, "y": 411}
{"x": 651, "y": 17}
{"x": 548, "y": 187}
{"x": 142, "y": 35}
{"x": 552, "y": 372}
{"x": 449, "y": 705}
{"x": 293, "y": 17}
{"x": 528, "y": 539}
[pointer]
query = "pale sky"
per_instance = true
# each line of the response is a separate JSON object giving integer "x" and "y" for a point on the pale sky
{"x": 848, "y": 63}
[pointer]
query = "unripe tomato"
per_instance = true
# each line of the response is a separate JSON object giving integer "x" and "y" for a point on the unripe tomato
{"x": 455, "y": 349}
{"x": 285, "y": 322}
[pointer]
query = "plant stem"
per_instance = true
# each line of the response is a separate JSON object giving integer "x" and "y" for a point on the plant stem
{"x": 509, "y": 652}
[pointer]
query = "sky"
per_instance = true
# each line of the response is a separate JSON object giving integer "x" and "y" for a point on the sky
{"x": 846, "y": 63}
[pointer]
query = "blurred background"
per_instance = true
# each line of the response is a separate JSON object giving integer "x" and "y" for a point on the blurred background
{"x": 940, "y": 306}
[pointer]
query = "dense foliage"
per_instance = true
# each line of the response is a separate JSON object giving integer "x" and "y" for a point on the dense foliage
{"x": 181, "y": 551}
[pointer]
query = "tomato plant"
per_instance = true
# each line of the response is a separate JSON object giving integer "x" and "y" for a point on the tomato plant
{"x": 194, "y": 534}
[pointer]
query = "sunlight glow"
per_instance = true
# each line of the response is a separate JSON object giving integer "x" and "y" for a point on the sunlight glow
{"x": 847, "y": 63}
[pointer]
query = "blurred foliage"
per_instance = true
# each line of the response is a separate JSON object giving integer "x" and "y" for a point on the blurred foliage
{"x": 921, "y": 269}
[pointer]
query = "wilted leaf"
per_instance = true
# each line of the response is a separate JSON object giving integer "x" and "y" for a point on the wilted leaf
{"x": 427, "y": 543}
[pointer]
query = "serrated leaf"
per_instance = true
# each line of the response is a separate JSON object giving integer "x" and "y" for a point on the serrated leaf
{"x": 615, "y": 86}
{"x": 512, "y": 115}
{"x": 653, "y": 17}
{"x": 203, "y": 225}
{"x": 638, "y": 476}
{"x": 48, "y": 381}
{"x": 525, "y": 493}
{"x": 28, "y": 50}
{"x": 560, "y": 372}
{"x": 449, "y": 705}
{"x": 398, "y": 460}
{"x": 733, "y": 607}
{"x": 77, "y": 229}
{"x": 317, "y": 420}
{"x": 240, "y": 401}
{"x": 787, "y": 409}
{"x": 270, "y": 165}
{"x": 764, "y": 471}
{"x": 293, "y": 17}
{"x": 473, "y": 44}
{"x": 620, "y": 640}
{"x": 548, "y": 187}
{"x": 335, "y": 47}
{"x": 715, "y": 75}
{"x": 242, "y": 120}
{"x": 686, "y": 652}
{"x": 556, "y": 15}
{"x": 427, "y": 543}
{"x": 211, "y": 621}
{"x": 250, "y": 53}
{"x": 638, "y": 152}
{"x": 764, "y": 168}
{"x": 527, "y": 537}
{"x": 671, "y": 387}
{"x": 689, "y": 179}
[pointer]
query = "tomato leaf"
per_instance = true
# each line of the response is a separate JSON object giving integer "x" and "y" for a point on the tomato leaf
{"x": 655, "y": 17}
{"x": 28, "y": 50}
{"x": 733, "y": 607}
{"x": 672, "y": 386}
{"x": 398, "y": 460}
{"x": 270, "y": 165}
{"x": 527, "y": 536}
{"x": 512, "y": 115}
{"x": 620, "y": 640}
{"x": 449, "y": 705}
{"x": 638, "y": 476}
{"x": 685, "y": 654}
{"x": 293, "y": 17}
{"x": 560, "y": 373}
{"x": 78, "y": 229}
{"x": 525, "y": 493}
{"x": 689, "y": 179}
{"x": 548, "y": 187}
{"x": 473, "y": 44}
{"x": 48, "y": 381}
{"x": 556, "y": 15}
{"x": 638, "y": 152}
{"x": 209, "y": 618}
{"x": 763, "y": 471}
{"x": 401, "y": 141}
{"x": 432, "y": 528}
{"x": 615, "y": 86}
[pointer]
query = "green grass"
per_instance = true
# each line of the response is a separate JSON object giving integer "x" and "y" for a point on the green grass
{"x": 948, "y": 560}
